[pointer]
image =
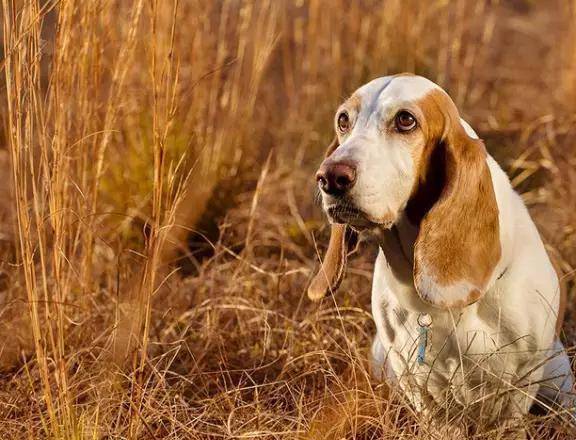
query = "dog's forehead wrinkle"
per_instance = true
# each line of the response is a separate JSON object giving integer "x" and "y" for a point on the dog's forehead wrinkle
{"x": 408, "y": 89}
{"x": 392, "y": 91}
{"x": 375, "y": 86}
{"x": 370, "y": 91}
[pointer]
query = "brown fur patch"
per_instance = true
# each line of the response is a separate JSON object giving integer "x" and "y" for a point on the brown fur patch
{"x": 472, "y": 297}
{"x": 333, "y": 266}
{"x": 354, "y": 102}
{"x": 332, "y": 147}
{"x": 454, "y": 203}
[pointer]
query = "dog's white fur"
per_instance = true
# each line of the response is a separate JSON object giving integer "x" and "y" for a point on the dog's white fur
{"x": 491, "y": 358}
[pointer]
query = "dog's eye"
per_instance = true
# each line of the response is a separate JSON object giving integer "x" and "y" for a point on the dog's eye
{"x": 405, "y": 121}
{"x": 343, "y": 122}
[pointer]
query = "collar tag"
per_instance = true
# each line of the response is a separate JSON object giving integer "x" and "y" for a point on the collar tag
{"x": 424, "y": 324}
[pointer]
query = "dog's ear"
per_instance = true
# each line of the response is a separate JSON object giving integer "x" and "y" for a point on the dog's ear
{"x": 458, "y": 245}
{"x": 333, "y": 266}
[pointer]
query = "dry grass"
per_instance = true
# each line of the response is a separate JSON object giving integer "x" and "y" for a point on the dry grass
{"x": 158, "y": 220}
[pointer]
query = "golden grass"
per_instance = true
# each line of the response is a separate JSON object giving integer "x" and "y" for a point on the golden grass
{"x": 127, "y": 125}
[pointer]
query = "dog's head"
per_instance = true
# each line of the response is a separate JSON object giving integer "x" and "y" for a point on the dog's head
{"x": 401, "y": 148}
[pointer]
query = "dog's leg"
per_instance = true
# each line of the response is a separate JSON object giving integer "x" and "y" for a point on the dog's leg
{"x": 558, "y": 389}
{"x": 379, "y": 365}
{"x": 377, "y": 360}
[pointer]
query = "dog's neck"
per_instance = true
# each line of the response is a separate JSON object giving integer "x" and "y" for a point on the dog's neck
{"x": 397, "y": 244}
{"x": 407, "y": 233}
{"x": 401, "y": 238}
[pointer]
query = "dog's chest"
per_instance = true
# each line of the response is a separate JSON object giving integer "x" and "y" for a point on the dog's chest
{"x": 459, "y": 358}
{"x": 441, "y": 362}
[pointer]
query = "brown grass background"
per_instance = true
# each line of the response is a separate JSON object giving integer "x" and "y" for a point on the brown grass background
{"x": 158, "y": 219}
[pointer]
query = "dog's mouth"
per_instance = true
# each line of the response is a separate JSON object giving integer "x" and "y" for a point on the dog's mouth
{"x": 345, "y": 212}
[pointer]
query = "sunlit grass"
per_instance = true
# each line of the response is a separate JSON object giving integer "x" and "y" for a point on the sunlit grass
{"x": 130, "y": 125}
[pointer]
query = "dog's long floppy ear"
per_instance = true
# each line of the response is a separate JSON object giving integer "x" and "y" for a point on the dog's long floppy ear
{"x": 458, "y": 245}
{"x": 333, "y": 266}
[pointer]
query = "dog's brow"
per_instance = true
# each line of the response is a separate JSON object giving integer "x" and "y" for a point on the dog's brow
{"x": 375, "y": 95}
{"x": 354, "y": 101}
{"x": 370, "y": 92}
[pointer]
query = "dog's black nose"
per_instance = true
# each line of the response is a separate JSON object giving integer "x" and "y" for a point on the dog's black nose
{"x": 335, "y": 178}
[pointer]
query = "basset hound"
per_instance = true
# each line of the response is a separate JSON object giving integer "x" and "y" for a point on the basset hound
{"x": 466, "y": 301}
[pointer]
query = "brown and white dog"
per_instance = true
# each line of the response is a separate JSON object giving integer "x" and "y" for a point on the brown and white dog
{"x": 466, "y": 302}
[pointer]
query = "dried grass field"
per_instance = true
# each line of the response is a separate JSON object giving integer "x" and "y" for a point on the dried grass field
{"x": 158, "y": 217}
